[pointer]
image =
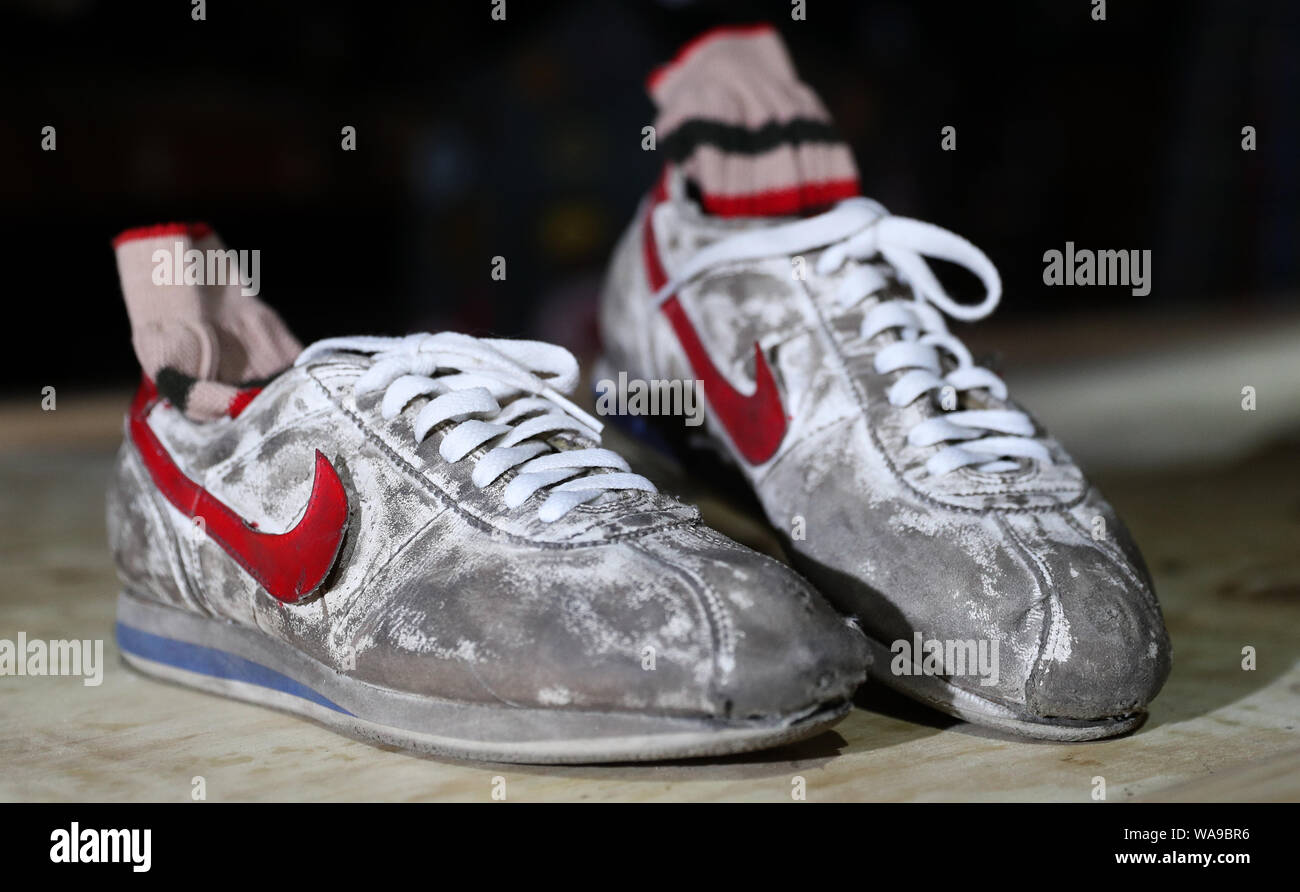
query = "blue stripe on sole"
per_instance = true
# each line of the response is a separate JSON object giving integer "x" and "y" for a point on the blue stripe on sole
{"x": 210, "y": 661}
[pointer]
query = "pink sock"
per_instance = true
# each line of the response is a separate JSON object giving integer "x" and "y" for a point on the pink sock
{"x": 754, "y": 139}
{"x": 205, "y": 346}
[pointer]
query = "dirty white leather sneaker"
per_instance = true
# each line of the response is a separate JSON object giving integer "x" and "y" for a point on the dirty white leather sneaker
{"x": 994, "y": 581}
{"x": 420, "y": 541}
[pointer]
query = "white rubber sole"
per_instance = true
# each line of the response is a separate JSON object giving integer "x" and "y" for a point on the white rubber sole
{"x": 246, "y": 664}
{"x": 937, "y": 693}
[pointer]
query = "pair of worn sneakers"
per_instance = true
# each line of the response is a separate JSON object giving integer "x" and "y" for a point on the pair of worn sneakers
{"x": 421, "y": 541}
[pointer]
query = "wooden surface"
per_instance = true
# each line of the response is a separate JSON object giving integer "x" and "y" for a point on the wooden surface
{"x": 1222, "y": 544}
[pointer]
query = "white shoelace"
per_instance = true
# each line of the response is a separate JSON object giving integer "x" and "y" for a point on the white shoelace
{"x": 506, "y": 393}
{"x": 859, "y": 230}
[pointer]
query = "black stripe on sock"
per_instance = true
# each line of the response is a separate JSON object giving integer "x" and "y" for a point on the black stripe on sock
{"x": 738, "y": 140}
{"x": 174, "y": 386}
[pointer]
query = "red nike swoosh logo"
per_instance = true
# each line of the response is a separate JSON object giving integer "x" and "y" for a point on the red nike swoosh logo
{"x": 755, "y": 422}
{"x": 288, "y": 565}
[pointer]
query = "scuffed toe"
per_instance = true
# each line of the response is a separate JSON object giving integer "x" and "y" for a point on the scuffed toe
{"x": 779, "y": 648}
{"x": 1109, "y": 657}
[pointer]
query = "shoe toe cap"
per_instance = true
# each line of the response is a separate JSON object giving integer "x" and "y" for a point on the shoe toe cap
{"x": 1105, "y": 653}
{"x": 778, "y": 647}
{"x": 792, "y": 651}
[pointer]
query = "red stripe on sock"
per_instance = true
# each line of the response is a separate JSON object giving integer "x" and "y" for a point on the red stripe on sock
{"x": 240, "y": 401}
{"x": 719, "y": 33}
{"x": 781, "y": 202}
{"x": 193, "y": 230}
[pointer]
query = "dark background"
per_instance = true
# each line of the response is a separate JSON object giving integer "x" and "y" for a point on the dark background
{"x": 522, "y": 139}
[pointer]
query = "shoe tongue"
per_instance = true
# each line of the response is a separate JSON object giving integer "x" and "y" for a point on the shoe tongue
{"x": 753, "y": 139}
{"x": 198, "y": 335}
